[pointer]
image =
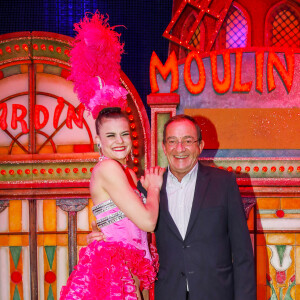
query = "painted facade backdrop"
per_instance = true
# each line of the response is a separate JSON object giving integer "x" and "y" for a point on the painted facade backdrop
{"x": 233, "y": 65}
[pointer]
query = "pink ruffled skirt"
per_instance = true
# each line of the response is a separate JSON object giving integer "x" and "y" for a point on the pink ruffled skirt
{"x": 104, "y": 272}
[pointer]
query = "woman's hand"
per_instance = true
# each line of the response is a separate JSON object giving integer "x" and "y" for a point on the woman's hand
{"x": 153, "y": 178}
{"x": 95, "y": 235}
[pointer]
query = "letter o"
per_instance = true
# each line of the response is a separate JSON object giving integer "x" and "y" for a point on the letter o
{"x": 194, "y": 88}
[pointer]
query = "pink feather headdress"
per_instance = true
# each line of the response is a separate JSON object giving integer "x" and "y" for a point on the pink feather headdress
{"x": 95, "y": 64}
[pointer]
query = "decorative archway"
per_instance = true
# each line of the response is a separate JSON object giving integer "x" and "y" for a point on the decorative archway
{"x": 46, "y": 157}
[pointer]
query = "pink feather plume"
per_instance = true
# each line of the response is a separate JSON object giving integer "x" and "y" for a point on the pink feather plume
{"x": 95, "y": 57}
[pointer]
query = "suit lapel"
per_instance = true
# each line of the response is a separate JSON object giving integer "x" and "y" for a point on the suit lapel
{"x": 199, "y": 195}
{"x": 164, "y": 207}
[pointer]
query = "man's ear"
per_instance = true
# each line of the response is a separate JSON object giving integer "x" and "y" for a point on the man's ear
{"x": 201, "y": 146}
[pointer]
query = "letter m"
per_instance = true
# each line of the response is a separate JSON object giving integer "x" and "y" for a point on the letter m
{"x": 171, "y": 65}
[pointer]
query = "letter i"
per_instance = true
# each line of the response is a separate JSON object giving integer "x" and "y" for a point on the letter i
{"x": 58, "y": 111}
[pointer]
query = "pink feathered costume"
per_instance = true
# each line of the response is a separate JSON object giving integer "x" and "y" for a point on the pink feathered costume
{"x": 104, "y": 269}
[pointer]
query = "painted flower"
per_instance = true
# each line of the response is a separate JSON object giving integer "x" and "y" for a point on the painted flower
{"x": 280, "y": 276}
{"x": 292, "y": 279}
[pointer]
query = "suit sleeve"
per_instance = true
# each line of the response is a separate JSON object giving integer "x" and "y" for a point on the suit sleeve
{"x": 241, "y": 246}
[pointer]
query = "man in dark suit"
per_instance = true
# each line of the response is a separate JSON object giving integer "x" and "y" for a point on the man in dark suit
{"x": 202, "y": 238}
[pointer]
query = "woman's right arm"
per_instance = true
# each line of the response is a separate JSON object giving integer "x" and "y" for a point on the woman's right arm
{"x": 112, "y": 179}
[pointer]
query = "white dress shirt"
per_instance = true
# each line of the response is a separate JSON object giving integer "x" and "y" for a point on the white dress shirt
{"x": 180, "y": 198}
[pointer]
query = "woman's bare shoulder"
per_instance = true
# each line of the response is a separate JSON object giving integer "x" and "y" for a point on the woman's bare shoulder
{"x": 107, "y": 168}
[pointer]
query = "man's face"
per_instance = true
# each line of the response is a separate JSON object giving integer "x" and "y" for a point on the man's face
{"x": 182, "y": 158}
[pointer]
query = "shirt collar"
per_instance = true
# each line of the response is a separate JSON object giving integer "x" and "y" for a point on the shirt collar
{"x": 186, "y": 178}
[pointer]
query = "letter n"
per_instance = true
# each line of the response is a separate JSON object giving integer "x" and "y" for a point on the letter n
{"x": 76, "y": 117}
{"x": 287, "y": 76}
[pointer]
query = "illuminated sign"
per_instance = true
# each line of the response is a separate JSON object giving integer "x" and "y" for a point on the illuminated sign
{"x": 222, "y": 86}
{"x": 19, "y": 112}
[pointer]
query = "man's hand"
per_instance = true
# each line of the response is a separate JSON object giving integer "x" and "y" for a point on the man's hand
{"x": 96, "y": 234}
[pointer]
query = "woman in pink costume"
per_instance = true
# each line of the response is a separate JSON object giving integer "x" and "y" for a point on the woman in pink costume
{"x": 113, "y": 269}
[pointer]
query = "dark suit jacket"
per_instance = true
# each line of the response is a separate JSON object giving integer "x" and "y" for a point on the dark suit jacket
{"x": 216, "y": 254}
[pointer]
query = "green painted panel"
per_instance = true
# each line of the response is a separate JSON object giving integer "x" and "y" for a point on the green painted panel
{"x": 13, "y": 70}
{"x": 50, "y": 251}
{"x": 16, "y": 294}
{"x": 50, "y": 294}
{"x": 273, "y": 296}
{"x": 288, "y": 292}
{"x": 52, "y": 70}
{"x": 161, "y": 120}
{"x": 280, "y": 251}
{"x": 15, "y": 253}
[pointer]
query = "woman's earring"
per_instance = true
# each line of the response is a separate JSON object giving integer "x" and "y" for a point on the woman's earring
{"x": 99, "y": 148}
{"x": 131, "y": 154}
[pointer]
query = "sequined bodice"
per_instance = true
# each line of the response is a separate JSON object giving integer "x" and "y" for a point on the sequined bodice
{"x": 100, "y": 209}
{"x": 118, "y": 228}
